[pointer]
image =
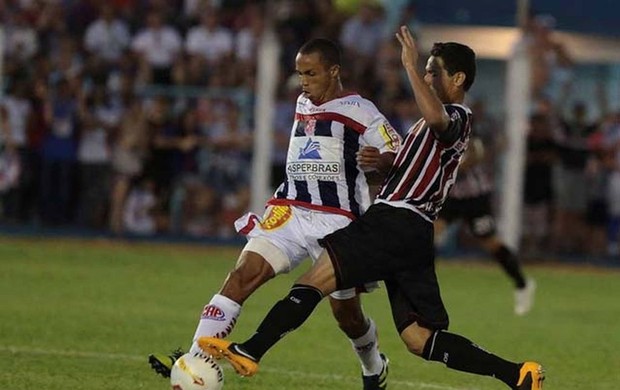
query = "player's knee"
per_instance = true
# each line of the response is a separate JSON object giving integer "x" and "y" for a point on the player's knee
{"x": 415, "y": 338}
{"x": 350, "y": 318}
{"x": 246, "y": 278}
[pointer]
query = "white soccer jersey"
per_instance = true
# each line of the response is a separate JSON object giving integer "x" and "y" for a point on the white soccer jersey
{"x": 321, "y": 167}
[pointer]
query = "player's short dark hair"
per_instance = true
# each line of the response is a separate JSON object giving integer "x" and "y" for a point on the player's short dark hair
{"x": 329, "y": 50}
{"x": 457, "y": 58}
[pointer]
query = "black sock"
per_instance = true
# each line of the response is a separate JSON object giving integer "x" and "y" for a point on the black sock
{"x": 461, "y": 354}
{"x": 285, "y": 316}
{"x": 510, "y": 264}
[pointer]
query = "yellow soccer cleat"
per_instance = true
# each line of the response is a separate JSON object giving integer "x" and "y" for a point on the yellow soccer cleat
{"x": 244, "y": 364}
{"x": 531, "y": 377}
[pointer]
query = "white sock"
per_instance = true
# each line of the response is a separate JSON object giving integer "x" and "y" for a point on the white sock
{"x": 218, "y": 319}
{"x": 367, "y": 349}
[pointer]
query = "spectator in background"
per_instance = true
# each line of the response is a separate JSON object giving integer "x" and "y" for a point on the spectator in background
{"x": 51, "y": 24}
{"x": 157, "y": 47}
{"x": 139, "y": 212}
{"x": 611, "y": 144}
{"x": 570, "y": 180}
{"x": 249, "y": 35}
{"x": 551, "y": 62}
{"x": 361, "y": 37}
{"x": 401, "y": 13}
{"x": 331, "y": 20}
{"x": 200, "y": 210}
{"x": 97, "y": 122}
{"x": 538, "y": 196}
{"x": 20, "y": 42}
{"x": 187, "y": 179}
{"x": 209, "y": 44}
{"x": 15, "y": 117}
{"x": 67, "y": 62}
{"x": 230, "y": 144}
{"x": 59, "y": 157}
{"x": 107, "y": 37}
{"x": 129, "y": 153}
{"x": 167, "y": 146}
{"x": 598, "y": 167}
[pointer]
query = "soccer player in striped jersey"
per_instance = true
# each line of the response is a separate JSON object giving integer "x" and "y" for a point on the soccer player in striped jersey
{"x": 470, "y": 201}
{"x": 393, "y": 240}
{"x": 340, "y": 144}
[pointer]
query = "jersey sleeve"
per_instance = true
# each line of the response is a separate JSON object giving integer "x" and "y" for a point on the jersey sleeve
{"x": 381, "y": 135}
{"x": 458, "y": 126}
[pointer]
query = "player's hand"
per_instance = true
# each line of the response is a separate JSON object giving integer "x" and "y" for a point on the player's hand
{"x": 409, "y": 51}
{"x": 368, "y": 158}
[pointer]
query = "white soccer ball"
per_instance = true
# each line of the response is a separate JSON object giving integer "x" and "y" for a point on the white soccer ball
{"x": 196, "y": 372}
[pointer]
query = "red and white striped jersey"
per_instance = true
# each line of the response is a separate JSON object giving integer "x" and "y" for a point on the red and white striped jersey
{"x": 425, "y": 167}
{"x": 321, "y": 167}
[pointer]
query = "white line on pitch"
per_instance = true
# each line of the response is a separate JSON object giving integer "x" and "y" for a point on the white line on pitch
{"x": 297, "y": 374}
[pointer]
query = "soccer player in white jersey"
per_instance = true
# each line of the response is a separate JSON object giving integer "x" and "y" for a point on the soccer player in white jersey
{"x": 393, "y": 240}
{"x": 340, "y": 143}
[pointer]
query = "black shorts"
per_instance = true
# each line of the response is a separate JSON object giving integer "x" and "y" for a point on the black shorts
{"x": 476, "y": 212}
{"x": 394, "y": 245}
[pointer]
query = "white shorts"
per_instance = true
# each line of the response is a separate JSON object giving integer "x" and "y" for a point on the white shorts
{"x": 286, "y": 235}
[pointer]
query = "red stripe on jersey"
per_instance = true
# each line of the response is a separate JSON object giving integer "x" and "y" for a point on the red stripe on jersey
{"x": 429, "y": 175}
{"x": 327, "y": 209}
{"x": 448, "y": 173}
{"x": 405, "y": 183}
{"x": 400, "y": 156}
{"x": 332, "y": 116}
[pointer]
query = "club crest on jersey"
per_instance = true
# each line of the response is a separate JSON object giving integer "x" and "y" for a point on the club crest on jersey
{"x": 212, "y": 312}
{"x": 310, "y": 150}
{"x": 276, "y": 217}
{"x": 310, "y": 126}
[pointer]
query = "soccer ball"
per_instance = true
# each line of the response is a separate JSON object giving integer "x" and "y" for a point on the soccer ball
{"x": 196, "y": 371}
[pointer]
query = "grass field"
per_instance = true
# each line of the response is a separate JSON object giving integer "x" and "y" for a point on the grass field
{"x": 85, "y": 314}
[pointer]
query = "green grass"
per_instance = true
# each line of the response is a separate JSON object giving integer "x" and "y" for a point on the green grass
{"x": 85, "y": 314}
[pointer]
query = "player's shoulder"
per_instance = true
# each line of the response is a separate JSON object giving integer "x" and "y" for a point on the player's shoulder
{"x": 354, "y": 99}
{"x": 459, "y": 108}
{"x": 356, "y": 107}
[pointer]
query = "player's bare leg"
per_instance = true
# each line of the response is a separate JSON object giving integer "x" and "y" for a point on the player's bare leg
{"x": 220, "y": 315}
{"x": 362, "y": 333}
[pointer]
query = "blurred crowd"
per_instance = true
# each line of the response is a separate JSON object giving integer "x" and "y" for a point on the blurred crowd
{"x": 101, "y": 124}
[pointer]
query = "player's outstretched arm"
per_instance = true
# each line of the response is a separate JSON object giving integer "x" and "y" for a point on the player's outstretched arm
{"x": 429, "y": 104}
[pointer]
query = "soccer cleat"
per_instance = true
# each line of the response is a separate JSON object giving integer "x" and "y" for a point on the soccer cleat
{"x": 378, "y": 381}
{"x": 531, "y": 377}
{"x": 162, "y": 364}
{"x": 244, "y": 364}
{"x": 524, "y": 298}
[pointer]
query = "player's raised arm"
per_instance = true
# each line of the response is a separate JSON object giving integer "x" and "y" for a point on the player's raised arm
{"x": 429, "y": 103}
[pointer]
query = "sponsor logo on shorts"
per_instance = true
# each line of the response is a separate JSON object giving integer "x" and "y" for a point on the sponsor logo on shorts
{"x": 212, "y": 312}
{"x": 277, "y": 217}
